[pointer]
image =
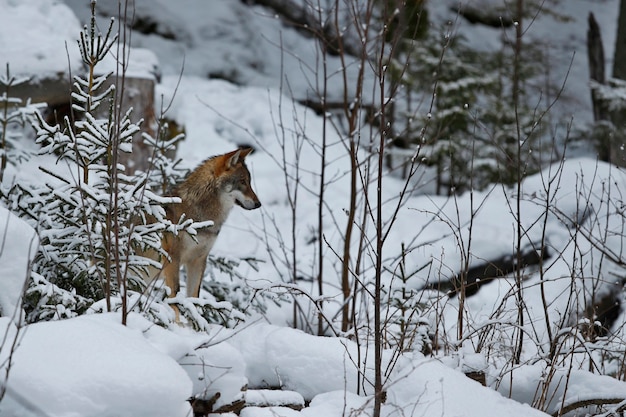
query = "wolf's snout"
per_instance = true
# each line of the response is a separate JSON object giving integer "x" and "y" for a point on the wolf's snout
{"x": 250, "y": 204}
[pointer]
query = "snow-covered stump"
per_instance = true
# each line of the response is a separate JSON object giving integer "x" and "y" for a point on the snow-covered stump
{"x": 137, "y": 84}
{"x": 33, "y": 42}
{"x": 54, "y": 90}
{"x": 138, "y": 94}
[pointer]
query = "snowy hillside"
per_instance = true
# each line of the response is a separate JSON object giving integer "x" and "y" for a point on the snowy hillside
{"x": 529, "y": 331}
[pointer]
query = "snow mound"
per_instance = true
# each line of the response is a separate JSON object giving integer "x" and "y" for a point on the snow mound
{"x": 562, "y": 387}
{"x": 429, "y": 385}
{"x": 323, "y": 371}
{"x": 90, "y": 366}
{"x": 18, "y": 246}
{"x": 296, "y": 361}
{"x": 217, "y": 369}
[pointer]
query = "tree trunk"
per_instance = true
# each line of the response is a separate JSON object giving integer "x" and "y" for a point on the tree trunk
{"x": 618, "y": 117}
{"x": 611, "y": 143}
{"x": 619, "y": 61}
{"x": 595, "y": 53}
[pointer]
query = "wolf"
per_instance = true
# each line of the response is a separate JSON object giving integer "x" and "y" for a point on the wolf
{"x": 208, "y": 193}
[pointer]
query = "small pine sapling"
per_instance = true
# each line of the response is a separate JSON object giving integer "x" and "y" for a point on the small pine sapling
{"x": 93, "y": 219}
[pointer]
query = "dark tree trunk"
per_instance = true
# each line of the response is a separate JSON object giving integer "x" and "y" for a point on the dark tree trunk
{"x": 619, "y": 61}
{"x": 618, "y": 117}
{"x": 595, "y": 53}
{"x": 610, "y": 143}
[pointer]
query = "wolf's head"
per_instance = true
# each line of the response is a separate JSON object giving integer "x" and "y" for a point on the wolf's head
{"x": 235, "y": 179}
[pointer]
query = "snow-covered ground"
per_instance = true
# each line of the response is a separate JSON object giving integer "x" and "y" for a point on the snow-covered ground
{"x": 94, "y": 366}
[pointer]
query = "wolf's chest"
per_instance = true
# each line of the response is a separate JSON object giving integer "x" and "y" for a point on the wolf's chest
{"x": 198, "y": 247}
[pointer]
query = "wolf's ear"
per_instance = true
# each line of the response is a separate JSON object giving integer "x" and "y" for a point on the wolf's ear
{"x": 237, "y": 156}
{"x": 233, "y": 158}
{"x": 245, "y": 152}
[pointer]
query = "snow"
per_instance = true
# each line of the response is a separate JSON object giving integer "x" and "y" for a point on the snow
{"x": 561, "y": 29}
{"x": 75, "y": 367}
{"x": 567, "y": 386}
{"x": 94, "y": 366}
{"x": 218, "y": 368}
{"x": 139, "y": 63}
{"x": 18, "y": 247}
{"x": 310, "y": 365}
{"x": 36, "y": 53}
{"x": 428, "y": 385}
{"x": 91, "y": 366}
{"x": 274, "y": 397}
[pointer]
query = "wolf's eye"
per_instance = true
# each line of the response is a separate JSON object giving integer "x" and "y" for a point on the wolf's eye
{"x": 242, "y": 181}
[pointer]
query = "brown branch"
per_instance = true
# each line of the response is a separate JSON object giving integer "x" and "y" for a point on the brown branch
{"x": 592, "y": 401}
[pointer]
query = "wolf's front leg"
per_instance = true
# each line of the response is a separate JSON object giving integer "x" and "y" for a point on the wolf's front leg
{"x": 195, "y": 272}
{"x": 171, "y": 271}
